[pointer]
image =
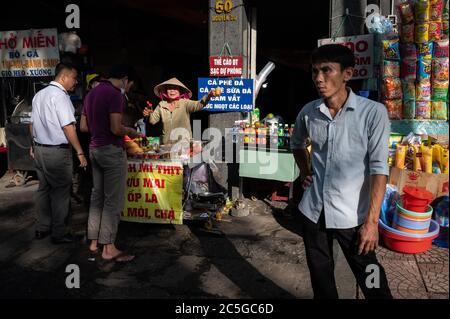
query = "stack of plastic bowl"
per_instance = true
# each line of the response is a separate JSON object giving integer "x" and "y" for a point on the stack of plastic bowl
{"x": 412, "y": 229}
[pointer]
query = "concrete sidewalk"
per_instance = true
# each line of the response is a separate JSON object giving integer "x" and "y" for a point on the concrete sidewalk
{"x": 258, "y": 256}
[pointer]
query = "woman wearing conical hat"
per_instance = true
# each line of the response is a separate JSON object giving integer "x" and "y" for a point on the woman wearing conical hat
{"x": 174, "y": 110}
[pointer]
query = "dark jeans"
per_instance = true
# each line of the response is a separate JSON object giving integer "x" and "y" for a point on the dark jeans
{"x": 319, "y": 254}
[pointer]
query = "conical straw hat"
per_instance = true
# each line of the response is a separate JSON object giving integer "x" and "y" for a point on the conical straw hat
{"x": 160, "y": 88}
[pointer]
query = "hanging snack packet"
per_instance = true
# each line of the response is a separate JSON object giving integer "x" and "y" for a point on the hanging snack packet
{"x": 439, "y": 110}
{"x": 409, "y": 90}
{"x": 440, "y": 69}
{"x": 409, "y": 51}
{"x": 427, "y": 159}
{"x": 441, "y": 49}
{"x": 406, "y": 12}
{"x": 400, "y": 155}
{"x": 436, "y": 152}
{"x": 392, "y": 88}
{"x": 394, "y": 108}
{"x": 409, "y": 69}
{"x": 391, "y": 69}
{"x": 444, "y": 160}
{"x": 421, "y": 33}
{"x": 445, "y": 15}
{"x": 439, "y": 91}
{"x": 423, "y": 110}
{"x": 409, "y": 109}
{"x": 407, "y": 35}
{"x": 391, "y": 49}
{"x": 434, "y": 31}
{"x": 423, "y": 69}
{"x": 425, "y": 50}
{"x": 436, "y": 10}
{"x": 417, "y": 157}
{"x": 423, "y": 91}
{"x": 422, "y": 10}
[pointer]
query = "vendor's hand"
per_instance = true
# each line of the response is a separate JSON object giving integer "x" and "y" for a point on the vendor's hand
{"x": 367, "y": 238}
{"x": 307, "y": 182}
{"x": 215, "y": 92}
{"x": 146, "y": 112}
{"x": 82, "y": 159}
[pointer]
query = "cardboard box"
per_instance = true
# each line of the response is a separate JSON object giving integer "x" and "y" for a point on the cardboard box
{"x": 437, "y": 184}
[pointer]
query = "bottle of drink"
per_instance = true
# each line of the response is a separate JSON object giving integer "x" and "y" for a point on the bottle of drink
{"x": 287, "y": 139}
{"x": 280, "y": 135}
{"x": 246, "y": 134}
{"x": 291, "y": 130}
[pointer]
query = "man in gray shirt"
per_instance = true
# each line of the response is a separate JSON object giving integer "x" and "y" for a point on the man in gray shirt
{"x": 344, "y": 178}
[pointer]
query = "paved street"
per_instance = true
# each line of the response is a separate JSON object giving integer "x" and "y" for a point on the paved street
{"x": 258, "y": 256}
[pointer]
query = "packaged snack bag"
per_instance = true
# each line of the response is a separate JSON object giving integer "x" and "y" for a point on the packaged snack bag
{"x": 391, "y": 49}
{"x": 409, "y": 109}
{"x": 423, "y": 110}
{"x": 434, "y": 31}
{"x": 394, "y": 108}
{"x": 421, "y": 33}
{"x": 409, "y": 90}
{"x": 425, "y": 50}
{"x": 391, "y": 68}
{"x": 407, "y": 35}
{"x": 406, "y": 12}
{"x": 436, "y": 152}
{"x": 400, "y": 156}
{"x": 436, "y": 10}
{"x": 409, "y": 70}
{"x": 392, "y": 88}
{"x": 422, "y": 10}
{"x": 441, "y": 49}
{"x": 444, "y": 160}
{"x": 439, "y": 91}
{"x": 445, "y": 14}
{"x": 423, "y": 91}
{"x": 427, "y": 159}
{"x": 438, "y": 110}
{"x": 440, "y": 69}
{"x": 417, "y": 157}
{"x": 423, "y": 69}
{"x": 409, "y": 51}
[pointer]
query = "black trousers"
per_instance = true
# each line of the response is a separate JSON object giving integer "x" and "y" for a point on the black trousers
{"x": 319, "y": 254}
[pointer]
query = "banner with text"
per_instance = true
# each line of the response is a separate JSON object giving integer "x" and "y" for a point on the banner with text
{"x": 28, "y": 53}
{"x": 236, "y": 96}
{"x": 362, "y": 47}
{"x": 154, "y": 193}
{"x": 225, "y": 66}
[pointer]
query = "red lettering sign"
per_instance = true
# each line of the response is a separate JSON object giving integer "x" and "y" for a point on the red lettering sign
{"x": 225, "y": 66}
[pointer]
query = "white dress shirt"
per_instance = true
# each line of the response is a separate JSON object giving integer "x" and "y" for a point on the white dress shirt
{"x": 52, "y": 109}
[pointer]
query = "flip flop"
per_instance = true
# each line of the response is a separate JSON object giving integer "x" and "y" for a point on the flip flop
{"x": 120, "y": 258}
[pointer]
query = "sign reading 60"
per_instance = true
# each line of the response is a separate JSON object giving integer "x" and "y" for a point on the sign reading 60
{"x": 223, "y": 6}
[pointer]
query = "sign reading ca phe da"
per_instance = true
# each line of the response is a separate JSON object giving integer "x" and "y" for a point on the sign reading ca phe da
{"x": 236, "y": 96}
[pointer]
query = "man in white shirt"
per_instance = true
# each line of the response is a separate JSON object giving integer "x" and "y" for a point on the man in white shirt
{"x": 54, "y": 135}
{"x": 345, "y": 175}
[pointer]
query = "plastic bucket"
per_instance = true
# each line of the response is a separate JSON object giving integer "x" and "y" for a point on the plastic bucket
{"x": 403, "y": 212}
{"x": 410, "y": 225}
{"x": 408, "y": 243}
{"x": 416, "y": 199}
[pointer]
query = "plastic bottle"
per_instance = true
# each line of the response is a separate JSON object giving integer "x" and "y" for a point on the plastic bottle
{"x": 287, "y": 138}
{"x": 280, "y": 135}
{"x": 441, "y": 216}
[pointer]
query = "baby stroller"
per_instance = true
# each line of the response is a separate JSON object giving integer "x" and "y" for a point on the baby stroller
{"x": 203, "y": 196}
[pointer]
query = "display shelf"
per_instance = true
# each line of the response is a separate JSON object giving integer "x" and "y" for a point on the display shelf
{"x": 429, "y": 127}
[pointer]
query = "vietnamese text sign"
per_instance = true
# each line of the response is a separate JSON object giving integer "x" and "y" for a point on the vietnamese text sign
{"x": 237, "y": 94}
{"x": 154, "y": 192}
{"x": 362, "y": 47}
{"x": 28, "y": 53}
{"x": 225, "y": 66}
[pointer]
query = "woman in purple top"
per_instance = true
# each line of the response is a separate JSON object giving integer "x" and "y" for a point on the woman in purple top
{"x": 102, "y": 118}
